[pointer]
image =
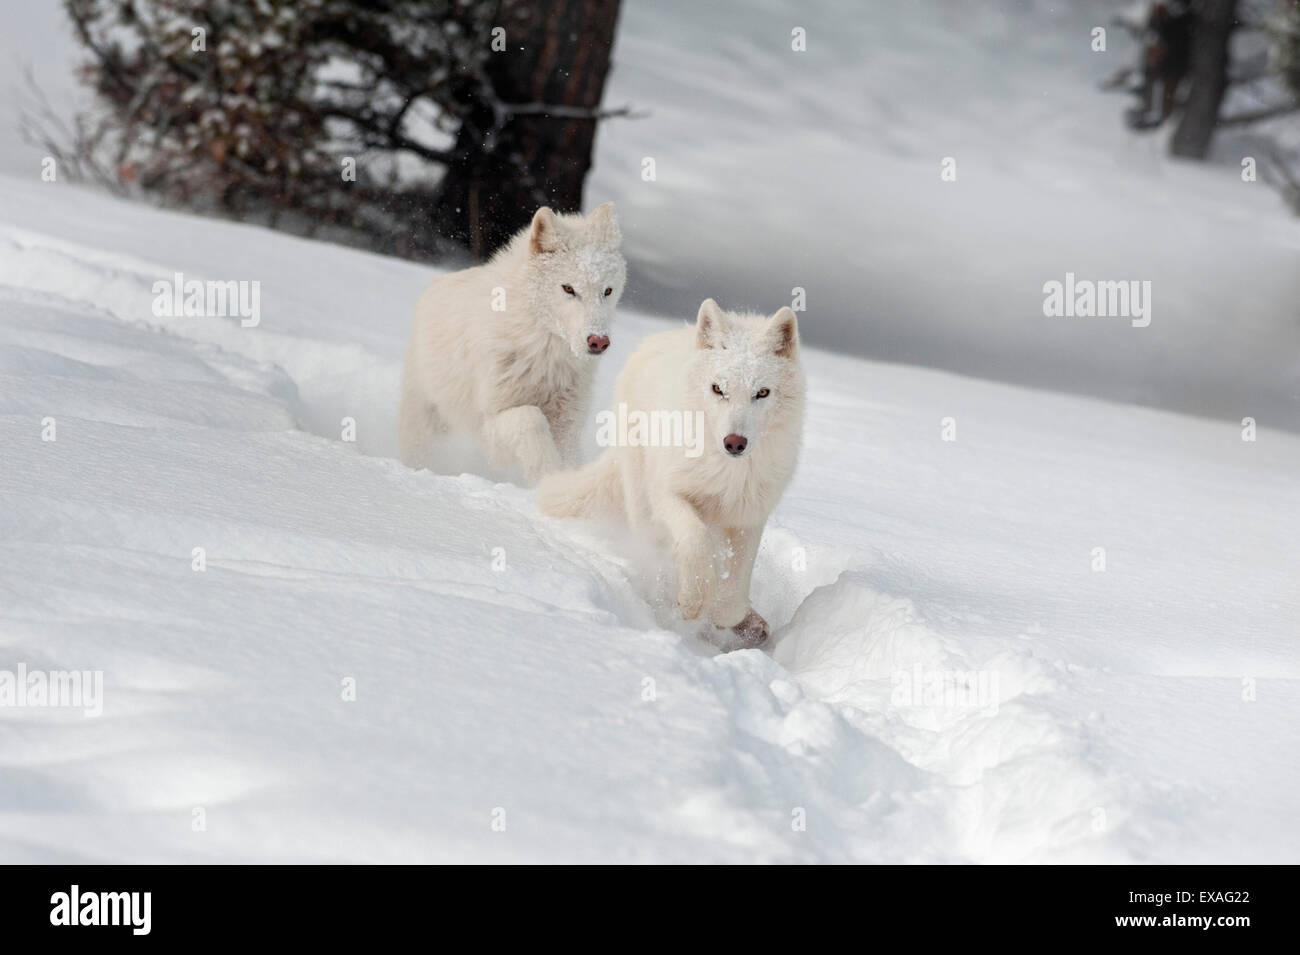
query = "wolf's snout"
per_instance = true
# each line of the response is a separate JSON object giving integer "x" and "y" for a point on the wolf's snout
{"x": 596, "y": 344}
{"x": 735, "y": 444}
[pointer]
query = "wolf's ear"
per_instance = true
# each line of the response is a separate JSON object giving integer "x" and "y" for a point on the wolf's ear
{"x": 782, "y": 333}
{"x": 544, "y": 233}
{"x": 602, "y": 225}
{"x": 710, "y": 326}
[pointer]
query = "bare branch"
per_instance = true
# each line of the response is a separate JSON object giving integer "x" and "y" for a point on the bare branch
{"x": 571, "y": 112}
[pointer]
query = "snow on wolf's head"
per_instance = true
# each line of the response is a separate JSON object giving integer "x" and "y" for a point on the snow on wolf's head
{"x": 576, "y": 274}
{"x": 745, "y": 377}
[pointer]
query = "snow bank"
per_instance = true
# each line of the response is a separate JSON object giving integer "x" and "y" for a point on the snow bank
{"x": 950, "y": 678}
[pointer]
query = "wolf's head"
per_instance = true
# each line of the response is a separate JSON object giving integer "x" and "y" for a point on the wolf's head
{"x": 746, "y": 375}
{"x": 576, "y": 274}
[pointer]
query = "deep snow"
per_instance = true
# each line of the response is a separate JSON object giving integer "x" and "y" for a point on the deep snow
{"x": 502, "y": 659}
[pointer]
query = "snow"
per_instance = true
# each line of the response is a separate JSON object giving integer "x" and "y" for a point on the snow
{"x": 505, "y": 661}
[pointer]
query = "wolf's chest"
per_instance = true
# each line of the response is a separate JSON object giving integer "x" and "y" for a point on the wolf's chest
{"x": 540, "y": 377}
{"x": 734, "y": 494}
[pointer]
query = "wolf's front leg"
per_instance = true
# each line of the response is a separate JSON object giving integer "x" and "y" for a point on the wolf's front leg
{"x": 566, "y": 427}
{"x": 739, "y": 550}
{"x": 521, "y": 437}
{"x": 731, "y": 608}
{"x": 697, "y": 579}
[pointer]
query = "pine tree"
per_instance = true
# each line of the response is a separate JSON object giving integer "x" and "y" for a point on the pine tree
{"x": 355, "y": 116}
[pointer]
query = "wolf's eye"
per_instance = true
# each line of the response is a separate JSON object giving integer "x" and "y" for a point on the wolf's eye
{"x": 609, "y": 292}
{"x": 717, "y": 390}
{"x": 568, "y": 289}
{"x": 763, "y": 393}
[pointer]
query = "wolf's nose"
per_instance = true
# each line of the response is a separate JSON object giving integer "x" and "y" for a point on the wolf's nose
{"x": 735, "y": 444}
{"x": 597, "y": 343}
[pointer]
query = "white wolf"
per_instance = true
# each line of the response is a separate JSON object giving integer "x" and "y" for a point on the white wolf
{"x": 505, "y": 351}
{"x": 740, "y": 374}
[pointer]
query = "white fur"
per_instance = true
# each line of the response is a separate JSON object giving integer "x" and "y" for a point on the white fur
{"x": 519, "y": 379}
{"x": 714, "y": 506}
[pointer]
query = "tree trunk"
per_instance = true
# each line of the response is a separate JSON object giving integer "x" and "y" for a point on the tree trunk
{"x": 1215, "y": 20}
{"x": 509, "y": 163}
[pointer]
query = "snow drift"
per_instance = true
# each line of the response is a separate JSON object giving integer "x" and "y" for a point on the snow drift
{"x": 376, "y": 664}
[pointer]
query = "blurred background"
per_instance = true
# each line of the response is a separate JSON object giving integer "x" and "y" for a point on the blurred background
{"x": 917, "y": 171}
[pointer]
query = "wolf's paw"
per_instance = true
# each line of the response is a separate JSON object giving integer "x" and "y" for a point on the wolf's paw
{"x": 751, "y": 632}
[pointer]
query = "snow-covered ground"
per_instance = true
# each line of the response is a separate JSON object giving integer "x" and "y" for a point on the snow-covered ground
{"x": 521, "y": 693}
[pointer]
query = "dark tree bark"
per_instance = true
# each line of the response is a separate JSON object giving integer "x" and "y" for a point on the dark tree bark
{"x": 512, "y": 154}
{"x": 1215, "y": 20}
